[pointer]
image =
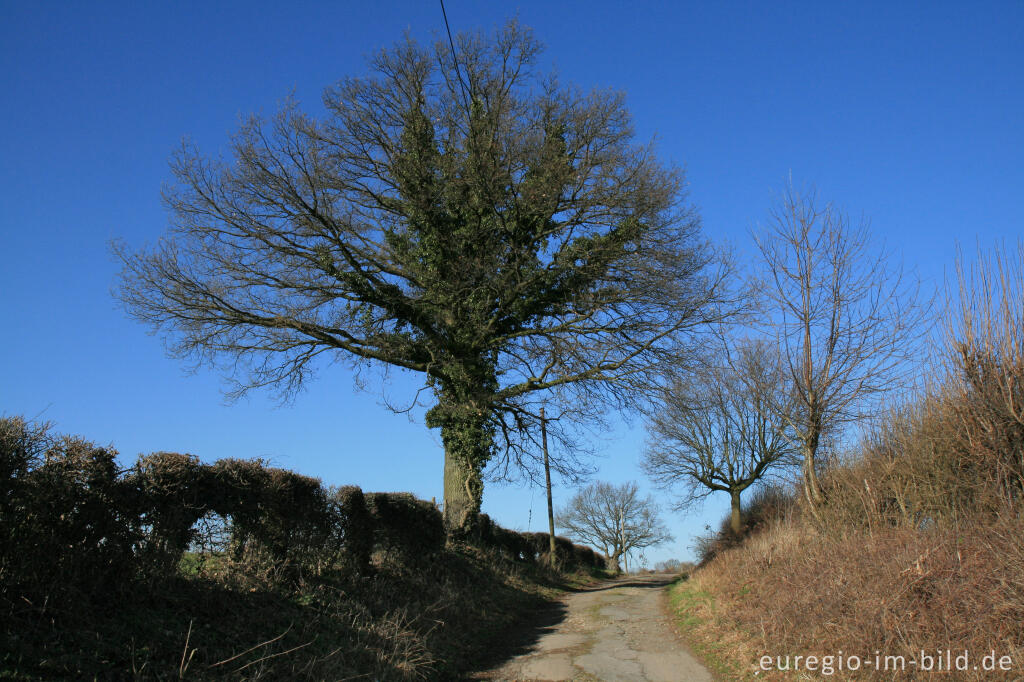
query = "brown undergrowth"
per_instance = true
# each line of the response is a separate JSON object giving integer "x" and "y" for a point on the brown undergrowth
{"x": 398, "y": 623}
{"x": 914, "y": 565}
{"x": 792, "y": 590}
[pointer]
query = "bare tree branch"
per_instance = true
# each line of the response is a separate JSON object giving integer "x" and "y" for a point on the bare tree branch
{"x": 719, "y": 428}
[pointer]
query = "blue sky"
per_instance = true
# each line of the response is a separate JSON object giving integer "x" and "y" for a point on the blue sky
{"x": 909, "y": 114}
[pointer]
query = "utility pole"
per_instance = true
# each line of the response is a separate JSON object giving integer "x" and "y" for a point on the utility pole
{"x": 622, "y": 540}
{"x": 547, "y": 482}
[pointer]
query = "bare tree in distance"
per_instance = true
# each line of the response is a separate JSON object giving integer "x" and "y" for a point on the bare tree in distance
{"x": 615, "y": 518}
{"x": 845, "y": 320}
{"x": 719, "y": 429}
{"x": 455, "y": 214}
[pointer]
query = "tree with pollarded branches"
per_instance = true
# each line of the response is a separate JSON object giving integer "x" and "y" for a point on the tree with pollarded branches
{"x": 719, "y": 428}
{"x": 454, "y": 215}
{"x": 845, "y": 320}
{"x": 615, "y": 518}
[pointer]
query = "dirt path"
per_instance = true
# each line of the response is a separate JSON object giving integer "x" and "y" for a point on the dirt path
{"x": 618, "y": 630}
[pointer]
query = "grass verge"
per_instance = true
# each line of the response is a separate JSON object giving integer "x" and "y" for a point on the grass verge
{"x": 703, "y": 630}
{"x": 432, "y": 622}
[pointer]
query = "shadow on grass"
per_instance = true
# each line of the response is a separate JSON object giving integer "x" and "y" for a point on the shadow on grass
{"x": 190, "y": 629}
{"x": 454, "y": 613}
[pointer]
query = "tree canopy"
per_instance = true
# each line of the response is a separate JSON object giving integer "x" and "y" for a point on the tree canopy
{"x": 458, "y": 215}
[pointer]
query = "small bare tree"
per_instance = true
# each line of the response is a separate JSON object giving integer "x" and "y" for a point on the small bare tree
{"x": 615, "y": 518}
{"x": 845, "y": 320}
{"x": 717, "y": 430}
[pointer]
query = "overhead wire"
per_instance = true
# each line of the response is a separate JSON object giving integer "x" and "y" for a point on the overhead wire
{"x": 455, "y": 58}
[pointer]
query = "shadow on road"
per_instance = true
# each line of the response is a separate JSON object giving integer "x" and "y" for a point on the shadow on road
{"x": 521, "y": 639}
{"x": 656, "y": 581}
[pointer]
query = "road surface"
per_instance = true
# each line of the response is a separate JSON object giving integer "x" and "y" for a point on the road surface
{"x": 618, "y": 630}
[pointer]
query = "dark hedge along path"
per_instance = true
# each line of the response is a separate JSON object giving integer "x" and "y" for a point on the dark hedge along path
{"x": 618, "y": 630}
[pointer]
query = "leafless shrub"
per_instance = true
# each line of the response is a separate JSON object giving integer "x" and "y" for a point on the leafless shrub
{"x": 170, "y": 494}
{"x": 985, "y": 340}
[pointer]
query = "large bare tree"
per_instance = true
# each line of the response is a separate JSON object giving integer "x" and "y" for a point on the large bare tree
{"x": 615, "y": 518}
{"x": 845, "y": 319}
{"x": 719, "y": 429}
{"x": 456, "y": 215}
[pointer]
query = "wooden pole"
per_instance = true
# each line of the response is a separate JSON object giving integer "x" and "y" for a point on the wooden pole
{"x": 547, "y": 483}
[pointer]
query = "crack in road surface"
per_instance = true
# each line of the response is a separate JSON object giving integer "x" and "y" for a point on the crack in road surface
{"x": 618, "y": 630}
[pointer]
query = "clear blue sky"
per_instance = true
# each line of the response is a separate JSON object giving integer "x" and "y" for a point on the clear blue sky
{"x": 908, "y": 113}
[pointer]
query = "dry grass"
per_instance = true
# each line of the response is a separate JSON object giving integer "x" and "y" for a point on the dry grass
{"x": 791, "y": 590}
{"x": 918, "y": 549}
{"x": 919, "y": 546}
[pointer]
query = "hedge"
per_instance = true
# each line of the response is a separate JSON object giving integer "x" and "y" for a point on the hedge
{"x": 404, "y": 526}
{"x": 71, "y": 521}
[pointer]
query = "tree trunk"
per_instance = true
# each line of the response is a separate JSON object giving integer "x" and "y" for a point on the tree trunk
{"x": 462, "y": 413}
{"x": 736, "y": 522}
{"x": 463, "y": 491}
{"x": 812, "y": 488}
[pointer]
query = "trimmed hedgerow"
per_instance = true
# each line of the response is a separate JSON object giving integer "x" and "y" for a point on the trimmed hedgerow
{"x": 569, "y": 556}
{"x": 353, "y": 530}
{"x": 404, "y": 526}
{"x": 538, "y": 543}
{"x": 71, "y": 521}
{"x": 168, "y": 492}
{"x": 63, "y": 520}
{"x": 514, "y": 545}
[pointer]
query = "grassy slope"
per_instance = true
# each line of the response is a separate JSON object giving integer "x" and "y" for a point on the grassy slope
{"x": 897, "y": 591}
{"x": 434, "y": 622}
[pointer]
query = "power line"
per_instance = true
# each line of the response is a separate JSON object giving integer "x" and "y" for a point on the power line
{"x": 455, "y": 58}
